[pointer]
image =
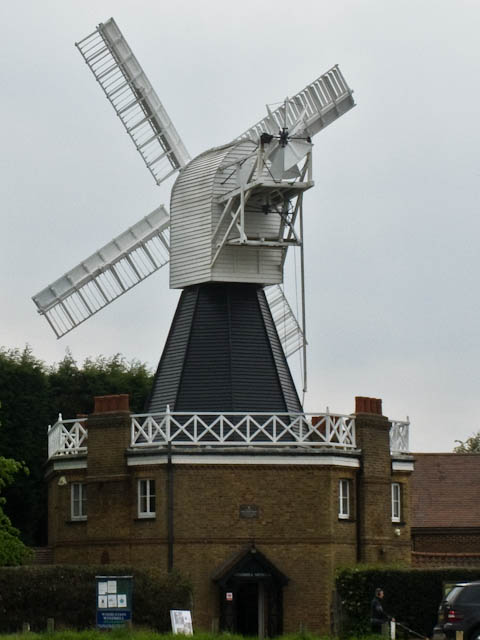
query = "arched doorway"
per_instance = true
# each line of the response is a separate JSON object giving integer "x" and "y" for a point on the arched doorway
{"x": 251, "y": 593}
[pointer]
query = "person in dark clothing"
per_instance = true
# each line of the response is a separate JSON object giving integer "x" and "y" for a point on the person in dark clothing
{"x": 378, "y": 615}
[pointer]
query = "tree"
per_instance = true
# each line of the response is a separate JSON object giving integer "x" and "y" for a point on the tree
{"x": 12, "y": 549}
{"x": 73, "y": 388}
{"x": 25, "y": 414}
{"x": 33, "y": 395}
{"x": 470, "y": 445}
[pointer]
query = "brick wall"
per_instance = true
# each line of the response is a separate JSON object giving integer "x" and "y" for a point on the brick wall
{"x": 446, "y": 541}
{"x": 296, "y": 524}
{"x": 297, "y": 529}
{"x": 429, "y": 560}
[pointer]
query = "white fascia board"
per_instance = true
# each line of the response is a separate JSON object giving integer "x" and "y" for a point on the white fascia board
{"x": 63, "y": 465}
{"x": 401, "y": 465}
{"x": 295, "y": 460}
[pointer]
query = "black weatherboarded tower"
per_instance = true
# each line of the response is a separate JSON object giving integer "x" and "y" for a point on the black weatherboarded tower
{"x": 223, "y": 354}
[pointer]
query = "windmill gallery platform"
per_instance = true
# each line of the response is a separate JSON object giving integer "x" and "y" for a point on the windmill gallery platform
{"x": 257, "y": 510}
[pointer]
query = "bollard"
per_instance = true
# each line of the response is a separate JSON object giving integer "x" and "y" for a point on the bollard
{"x": 50, "y": 625}
{"x": 25, "y": 627}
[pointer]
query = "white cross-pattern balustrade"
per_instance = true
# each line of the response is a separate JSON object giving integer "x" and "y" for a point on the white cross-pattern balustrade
{"x": 399, "y": 433}
{"x": 67, "y": 437}
{"x": 243, "y": 429}
{"x": 333, "y": 431}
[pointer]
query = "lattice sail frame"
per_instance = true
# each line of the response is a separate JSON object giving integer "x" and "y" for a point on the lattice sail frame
{"x": 309, "y": 111}
{"x": 289, "y": 331}
{"x": 129, "y": 91}
{"x": 107, "y": 274}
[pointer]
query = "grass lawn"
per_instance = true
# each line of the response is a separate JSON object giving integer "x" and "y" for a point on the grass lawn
{"x": 126, "y": 634}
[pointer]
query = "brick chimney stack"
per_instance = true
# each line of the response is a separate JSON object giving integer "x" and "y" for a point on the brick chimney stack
{"x": 107, "y": 478}
{"x": 368, "y": 405}
{"x": 374, "y": 508}
{"x": 111, "y": 404}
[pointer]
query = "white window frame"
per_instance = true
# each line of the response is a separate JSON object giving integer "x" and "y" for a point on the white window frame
{"x": 344, "y": 502}
{"x": 146, "y": 498}
{"x": 78, "y": 501}
{"x": 396, "y": 502}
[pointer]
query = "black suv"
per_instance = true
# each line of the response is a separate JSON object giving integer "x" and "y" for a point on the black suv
{"x": 459, "y": 611}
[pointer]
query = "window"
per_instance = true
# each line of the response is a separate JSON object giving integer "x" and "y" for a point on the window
{"x": 469, "y": 594}
{"x": 344, "y": 499}
{"x": 78, "y": 501}
{"x": 146, "y": 498}
{"x": 396, "y": 502}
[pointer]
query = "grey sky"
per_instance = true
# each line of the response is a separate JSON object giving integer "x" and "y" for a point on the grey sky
{"x": 392, "y": 225}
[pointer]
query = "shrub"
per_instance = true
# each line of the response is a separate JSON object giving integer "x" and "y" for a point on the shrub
{"x": 67, "y": 594}
{"x": 412, "y": 596}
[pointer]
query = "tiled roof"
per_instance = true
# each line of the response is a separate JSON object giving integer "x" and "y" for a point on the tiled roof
{"x": 446, "y": 490}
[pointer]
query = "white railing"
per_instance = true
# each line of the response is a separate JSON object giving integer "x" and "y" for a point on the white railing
{"x": 67, "y": 437}
{"x": 243, "y": 429}
{"x": 399, "y": 436}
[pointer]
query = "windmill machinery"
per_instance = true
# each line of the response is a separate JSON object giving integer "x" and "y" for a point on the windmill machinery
{"x": 235, "y": 210}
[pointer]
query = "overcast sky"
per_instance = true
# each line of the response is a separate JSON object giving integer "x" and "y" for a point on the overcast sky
{"x": 392, "y": 225}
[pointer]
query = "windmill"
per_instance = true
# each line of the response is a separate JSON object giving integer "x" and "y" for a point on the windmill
{"x": 235, "y": 210}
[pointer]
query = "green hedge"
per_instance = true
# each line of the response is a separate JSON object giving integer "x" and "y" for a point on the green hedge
{"x": 412, "y": 596}
{"x": 67, "y": 593}
{"x": 143, "y": 634}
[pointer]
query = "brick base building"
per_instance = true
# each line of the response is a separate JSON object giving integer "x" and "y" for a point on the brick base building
{"x": 257, "y": 517}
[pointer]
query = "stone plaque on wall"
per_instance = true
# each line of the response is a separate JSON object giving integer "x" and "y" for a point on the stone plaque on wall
{"x": 248, "y": 511}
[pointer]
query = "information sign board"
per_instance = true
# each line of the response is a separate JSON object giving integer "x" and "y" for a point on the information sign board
{"x": 181, "y": 621}
{"x": 114, "y": 601}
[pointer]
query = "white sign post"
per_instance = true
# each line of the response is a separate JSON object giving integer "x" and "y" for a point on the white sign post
{"x": 181, "y": 622}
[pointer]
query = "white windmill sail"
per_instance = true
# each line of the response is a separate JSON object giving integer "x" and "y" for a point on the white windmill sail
{"x": 289, "y": 331}
{"x": 107, "y": 274}
{"x": 309, "y": 111}
{"x": 126, "y": 86}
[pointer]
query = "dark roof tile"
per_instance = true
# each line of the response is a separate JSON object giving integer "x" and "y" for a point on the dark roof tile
{"x": 445, "y": 490}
